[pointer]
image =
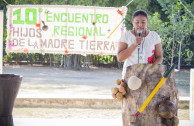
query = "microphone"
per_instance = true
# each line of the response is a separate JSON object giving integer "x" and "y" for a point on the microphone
{"x": 139, "y": 32}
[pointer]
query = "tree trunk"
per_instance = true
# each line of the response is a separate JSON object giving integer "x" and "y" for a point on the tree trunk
{"x": 72, "y": 61}
{"x": 98, "y": 62}
{"x": 150, "y": 74}
{"x": 50, "y": 60}
{"x": 76, "y": 62}
{"x": 61, "y": 61}
{"x": 173, "y": 38}
{"x": 87, "y": 62}
{"x": 30, "y": 59}
{"x": 67, "y": 61}
{"x": 115, "y": 61}
{"x": 179, "y": 61}
{"x": 17, "y": 58}
{"x": 43, "y": 59}
{"x": 96, "y": 59}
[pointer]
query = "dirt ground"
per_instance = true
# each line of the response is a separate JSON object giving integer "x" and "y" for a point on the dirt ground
{"x": 59, "y": 82}
{"x": 76, "y": 113}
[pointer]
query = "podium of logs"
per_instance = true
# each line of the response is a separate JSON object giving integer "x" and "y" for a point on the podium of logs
{"x": 162, "y": 109}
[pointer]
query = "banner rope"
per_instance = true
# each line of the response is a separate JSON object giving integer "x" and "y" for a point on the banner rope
{"x": 6, "y": 2}
{"x": 129, "y": 3}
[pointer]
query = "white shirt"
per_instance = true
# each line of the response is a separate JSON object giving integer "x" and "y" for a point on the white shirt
{"x": 147, "y": 48}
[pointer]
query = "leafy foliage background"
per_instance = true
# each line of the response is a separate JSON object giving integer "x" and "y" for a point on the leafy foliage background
{"x": 169, "y": 18}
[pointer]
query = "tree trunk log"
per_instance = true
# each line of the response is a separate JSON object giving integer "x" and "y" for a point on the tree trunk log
{"x": 76, "y": 62}
{"x": 87, "y": 62}
{"x": 67, "y": 62}
{"x": 150, "y": 74}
